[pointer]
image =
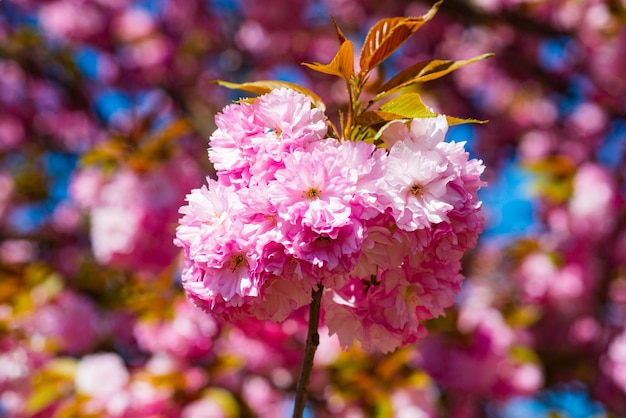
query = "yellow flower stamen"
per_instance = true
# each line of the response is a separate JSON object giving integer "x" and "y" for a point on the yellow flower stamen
{"x": 417, "y": 190}
{"x": 312, "y": 193}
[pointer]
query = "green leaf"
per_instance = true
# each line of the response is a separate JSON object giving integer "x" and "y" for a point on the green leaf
{"x": 406, "y": 106}
{"x": 266, "y": 86}
{"x": 409, "y": 105}
{"x": 389, "y": 34}
{"x": 342, "y": 64}
{"x": 523, "y": 316}
{"x": 426, "y": 71}
{"x": 374, "y": 117}
{"x": 524, "y": 354}
{"x": 52, "y": 383}
{"x": 43, "y": 396}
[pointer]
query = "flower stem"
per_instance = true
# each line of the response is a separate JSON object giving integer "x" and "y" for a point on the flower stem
{"x": 312, "y": 341}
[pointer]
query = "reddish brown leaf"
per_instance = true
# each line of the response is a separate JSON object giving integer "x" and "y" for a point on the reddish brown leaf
{"x": 340, "y": 36}
{"x": 389, "y": 34}
{"x": 342, "y": 64}
{"x": 426, "y": 71}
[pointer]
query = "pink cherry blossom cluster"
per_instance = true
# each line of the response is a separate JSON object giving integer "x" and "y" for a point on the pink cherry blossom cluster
{"x": 381, "y": 228}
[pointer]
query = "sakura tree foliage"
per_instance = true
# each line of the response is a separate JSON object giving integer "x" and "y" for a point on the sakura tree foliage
{"x": 107, "y": 108}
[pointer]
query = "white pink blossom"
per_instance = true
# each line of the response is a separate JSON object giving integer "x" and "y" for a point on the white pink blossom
{"x": 383, "y": 230}
{"x": 253, "y": 139}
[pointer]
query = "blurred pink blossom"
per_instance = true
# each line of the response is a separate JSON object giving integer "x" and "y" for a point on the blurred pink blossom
{"x": 69, "y": 322}
{"x": 204, "y": 407}
{"x": 67, "y": 19}
{"x": 11, "y": 132}
{"x": 132, "y": 214}
{"x": 542, "y": 279}
{"x": 66, "y": 216}
{"x": 148, "y": 53}
{"x": 133, "y": 24}
{"x": 595, "y": 202}
{"x": 188, "y": 335}
{"x": 484, "y": 365}
{"x": 614, "y": 362}
{"x": 75, "y": 130}
{"x": 103, "y": 377}
{"x": 264, "y": 398}
{"x": 12, "y": 82}
{"x": 17, "y": 251}
{"x": 415, "y": 402}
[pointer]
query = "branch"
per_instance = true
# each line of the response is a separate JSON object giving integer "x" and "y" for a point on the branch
{"x": 312, "y": 341}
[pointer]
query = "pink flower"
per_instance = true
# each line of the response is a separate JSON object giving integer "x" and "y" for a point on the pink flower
{"x": 382, "y": 231}
{"x": 148, "y": 54}
{"x": 382, "y": 247}
{"x": 85, "y": 186}
{"x": 314, "y": 197}
{"x": 220, "y": 243}
{"x": 484, "y": 355}
{"x": 290, "y": 119}
{"x": 188, "y": 335}
{"x": 542, "y": 278}
{"x": 266, "y": 347}
{"x": 229, "y": 144}
{"x": 595, "y": 202}
{"x": 614, "y": 362}
{"x": 416, "y": 184}
{"x": 11, "y": 132}
{"x": 204, "y": 407}
{"x": 426, "y": 132}
{"x": 264, "y": 398}
{"x": 18, "y": 363}
{"x": 69, "y": 323}
{"x": 103, "y": 378}
{"x": 415, "y": 402}
{"x": 132, "y": 213}
{"x": 13, "y": 82}
{"x": 68, "y": 19}
{"x": 387, "y": 310}
{"x": 231, "y": 262}
{"x": 17, "y": 251}
{"x": 134, "y": 24}
{"x": 74, "y": 130}
{"x": 253, "y": 139}
{"x": 101, "y": 375}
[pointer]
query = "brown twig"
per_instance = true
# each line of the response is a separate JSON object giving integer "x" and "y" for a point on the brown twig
{"x": 312, "y": 341}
